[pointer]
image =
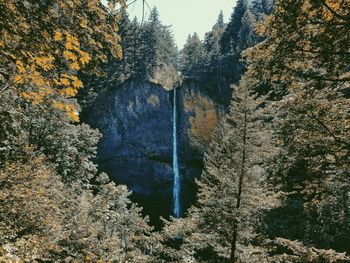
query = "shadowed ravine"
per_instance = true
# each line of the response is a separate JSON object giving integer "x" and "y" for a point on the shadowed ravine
{"x": 151, "y": 142}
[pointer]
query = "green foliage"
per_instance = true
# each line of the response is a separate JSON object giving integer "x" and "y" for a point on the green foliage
{"x": 191, "y": 56}
{"x": 149, "y": 48}
{"x": 216, "y": 62}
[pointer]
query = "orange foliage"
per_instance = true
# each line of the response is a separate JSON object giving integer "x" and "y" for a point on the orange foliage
{"x": 37, "y": 53}
{"x": 204, "y": 120}
{"x": 68, "y": 108}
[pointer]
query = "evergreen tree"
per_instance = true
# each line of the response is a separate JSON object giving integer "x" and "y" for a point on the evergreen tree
{"x": 149, "y": 49}
{"x": 128, "y": 66}
{"x": 230, "y": 38}
{"x": 213, "y": 57}
{"x": 192, "y": 56}
{"x": 262, "y": 6}
{"x": 231, "y": 43}
{"x": 150, "y": 36}
{"x": 306, "y": 69}
{"x": 306, "y": 55}
{"x": 44, "y": 219}
{"x": 220, "y": 21}
{"x": 239, "y": 34}
{"x": 232, "y": 189}
{"x": 30, "y": 202}
{"x": 124, "y": 233}
{"x": 165, "y": 71}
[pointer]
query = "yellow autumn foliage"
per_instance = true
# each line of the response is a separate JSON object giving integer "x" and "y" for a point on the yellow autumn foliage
{"x": 84, "y": 23}
{"x": 18, "y": 79}
{"x": 35, "y": 50}
{"x": 46, "y": 63}
{"x": 85, "y": 58}
{"x": 21, "y": 69}
{"x": 70, "y": 109}
{"x": 64, "y": 82}
{"x": 333, "y": 4}
{"x": 261, "y": 29}
{"x": 57, "y": 35}
{"x": 203, "y": 121}
{"x": 74, "y": 66}
{"x": 69, "y": 55}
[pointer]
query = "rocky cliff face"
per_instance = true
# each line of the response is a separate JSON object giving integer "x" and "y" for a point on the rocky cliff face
{"x": 135, "y": 119}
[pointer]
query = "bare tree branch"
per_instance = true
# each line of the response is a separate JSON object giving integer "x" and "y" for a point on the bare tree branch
{"x": 5, "y": 88}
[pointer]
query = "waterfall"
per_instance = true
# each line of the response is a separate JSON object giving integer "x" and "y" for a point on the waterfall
{"x": 176, "y": 186}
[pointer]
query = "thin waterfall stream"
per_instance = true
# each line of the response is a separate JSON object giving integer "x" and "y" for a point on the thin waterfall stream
{"x": 177, "y": 185}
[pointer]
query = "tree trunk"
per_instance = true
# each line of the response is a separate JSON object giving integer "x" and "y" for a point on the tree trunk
{"x": 233, "y": 241}
{"x": 240, "y": 185}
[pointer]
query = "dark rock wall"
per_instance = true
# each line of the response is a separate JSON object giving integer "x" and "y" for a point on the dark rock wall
{"x": 135, "y": 120}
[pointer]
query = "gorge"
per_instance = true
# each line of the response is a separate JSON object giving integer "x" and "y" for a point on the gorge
{"x": 142, "y": 125}
{"x": 156, "y": 128}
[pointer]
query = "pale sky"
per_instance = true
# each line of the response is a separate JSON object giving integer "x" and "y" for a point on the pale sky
{"x": 186, "y": 16}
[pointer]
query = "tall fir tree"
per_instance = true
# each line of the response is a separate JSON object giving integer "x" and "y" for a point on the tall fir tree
{"x": 191, "y": 57}
{"x": 213, "y": 57}
{"x": 233, "y": 190}
{"x": 306, "y": 55}
{"x": 231, "y": 35}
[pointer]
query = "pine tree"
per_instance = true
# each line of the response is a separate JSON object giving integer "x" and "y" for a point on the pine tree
{"x": 239, "y": 34}
{"x": 130, "y": 40}
{"x": 262, "y": 6}
{"x": 44, "y": 219}
{"x": 152, "y": 51}
{"x": 231, "y": 34}
{"x": 220, "y": 21}
{"x": 124, "y": 233}
{"x": 233, "y": 189}
{"x": 306, "y": 56}
{"x": 30, "y": 222}
{"x": 192, "y": 56}
{"x": 213, "y": 57}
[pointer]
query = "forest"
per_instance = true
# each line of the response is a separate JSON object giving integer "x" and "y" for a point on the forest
{"x": 95, "y": 106}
